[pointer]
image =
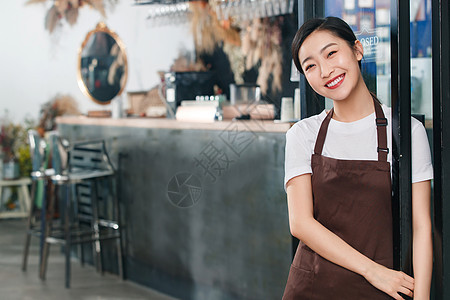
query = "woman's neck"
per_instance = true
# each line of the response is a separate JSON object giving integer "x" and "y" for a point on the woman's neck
{"x": 358, "y": 105}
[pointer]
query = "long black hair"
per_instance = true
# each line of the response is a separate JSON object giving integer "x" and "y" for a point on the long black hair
{"x": 335, "y": 26}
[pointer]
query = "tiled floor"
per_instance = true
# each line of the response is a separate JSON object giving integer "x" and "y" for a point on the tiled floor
{"x": 86, "y": 283}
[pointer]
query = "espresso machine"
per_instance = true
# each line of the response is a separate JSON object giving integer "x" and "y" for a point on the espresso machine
{"x": 182, "y": 86}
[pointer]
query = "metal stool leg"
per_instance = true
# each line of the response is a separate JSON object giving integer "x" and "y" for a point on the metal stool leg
{"x": 67, "y": 234}
{"x": 30, "y": 226}
{"x": 112, "y": 188}
{"x": 48, "y": 227}
{"x": 44, "y": 225}
{"x": 1, "y": 198}
{"x": 81, "y": 253}
{"x": 96, "y": 228}
{"x": 80, "y": 249}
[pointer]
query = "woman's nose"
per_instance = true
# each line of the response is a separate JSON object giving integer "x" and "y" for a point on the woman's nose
{"x": 325, "y": 70}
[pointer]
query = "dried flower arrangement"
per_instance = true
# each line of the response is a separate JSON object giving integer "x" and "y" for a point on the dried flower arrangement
{"x": 248, "y": 44}
{"x": 261, "y": 44}
{"x": 237, "y": 61}
{"x": 69, "y": 9}
{"x": 207, "y": 30}
{"x": 57, "y": 106}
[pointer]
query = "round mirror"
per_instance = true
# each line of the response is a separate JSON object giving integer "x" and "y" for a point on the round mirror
{"x": 102, "y": 65}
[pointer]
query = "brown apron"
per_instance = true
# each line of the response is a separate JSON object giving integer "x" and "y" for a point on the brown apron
{"x": 352, "y": 198}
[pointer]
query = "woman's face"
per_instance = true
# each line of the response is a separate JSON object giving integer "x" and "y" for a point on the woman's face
{"x": 330, "y": 65}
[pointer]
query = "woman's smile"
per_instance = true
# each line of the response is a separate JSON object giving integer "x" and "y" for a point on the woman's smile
{"x": 335, "y": 82}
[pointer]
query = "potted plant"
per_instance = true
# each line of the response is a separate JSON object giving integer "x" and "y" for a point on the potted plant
{"x": 8, "y": 136}
{"x": 14, "y": 154}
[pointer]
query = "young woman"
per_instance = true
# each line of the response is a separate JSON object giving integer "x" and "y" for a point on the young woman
{"x": 338, "y": 181}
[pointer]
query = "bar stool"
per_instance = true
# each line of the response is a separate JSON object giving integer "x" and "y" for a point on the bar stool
{"x": 88, "y": 165}
{"x": 40, "y": 174}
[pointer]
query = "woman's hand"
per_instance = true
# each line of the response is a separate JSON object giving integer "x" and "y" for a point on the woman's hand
{"x": 390, "y": 281}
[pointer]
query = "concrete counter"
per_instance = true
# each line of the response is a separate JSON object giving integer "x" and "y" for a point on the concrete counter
{"x": 204, "y": 209}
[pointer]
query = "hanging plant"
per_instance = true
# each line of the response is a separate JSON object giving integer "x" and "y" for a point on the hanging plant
{"x": 261, "y": 45}
{"x": 207, "y": 30}
{"x": 69, "y": 10}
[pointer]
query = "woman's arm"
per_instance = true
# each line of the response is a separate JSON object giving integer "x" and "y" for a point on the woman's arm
{"x": 333, "y": 248}
{"x": 422, "y": 239}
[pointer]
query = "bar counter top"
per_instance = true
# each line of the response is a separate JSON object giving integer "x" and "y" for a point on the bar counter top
{"x": 252, "y": 125}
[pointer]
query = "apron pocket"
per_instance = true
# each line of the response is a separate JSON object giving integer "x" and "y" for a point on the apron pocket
{"x": 299, "y": 284}
{"x": 304, "y": 259}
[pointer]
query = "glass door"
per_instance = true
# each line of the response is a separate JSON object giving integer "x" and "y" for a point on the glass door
{"x": 421, "y": 62}
{"x": 370, "y": 20}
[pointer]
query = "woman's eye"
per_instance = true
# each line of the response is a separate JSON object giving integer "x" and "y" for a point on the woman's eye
{"x": 331, "y": 53}
{"x": 308, "y": 67}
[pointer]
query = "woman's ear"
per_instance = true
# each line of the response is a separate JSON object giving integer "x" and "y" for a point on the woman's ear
{"x": 359, "y": 50}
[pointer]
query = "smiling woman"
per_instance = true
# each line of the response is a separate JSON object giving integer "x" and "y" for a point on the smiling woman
{"x": 329, "y": 65}
{"x": 338, "y": 181}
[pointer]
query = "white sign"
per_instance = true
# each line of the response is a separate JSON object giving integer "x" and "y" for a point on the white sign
{"x": 372, "y": 44}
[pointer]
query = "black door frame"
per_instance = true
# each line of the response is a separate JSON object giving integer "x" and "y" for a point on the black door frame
{"x": 441, "y": 143}
{"x": 401, "y": 134}
{"x": 311, "y": 103}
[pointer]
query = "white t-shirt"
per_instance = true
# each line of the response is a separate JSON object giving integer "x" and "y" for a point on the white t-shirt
{"x": 351, "y": 140}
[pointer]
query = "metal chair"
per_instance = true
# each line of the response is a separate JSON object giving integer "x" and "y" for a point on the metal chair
{"x": 40, "y": 175}
{"x": 88, "y": 165}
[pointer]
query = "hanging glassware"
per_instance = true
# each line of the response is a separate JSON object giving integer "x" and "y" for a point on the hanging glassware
{"x": 244, "y": 10}
{"x": 165, "y": 12}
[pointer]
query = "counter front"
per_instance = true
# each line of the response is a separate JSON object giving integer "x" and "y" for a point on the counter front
{"x": 203, "y": 206}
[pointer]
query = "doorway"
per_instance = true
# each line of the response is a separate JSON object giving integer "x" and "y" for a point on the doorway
{"x": 406, "y": 63}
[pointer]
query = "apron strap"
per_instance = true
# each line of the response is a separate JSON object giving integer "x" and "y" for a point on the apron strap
{"x": 323, "y": 133}
{"x": 380, "y": 121}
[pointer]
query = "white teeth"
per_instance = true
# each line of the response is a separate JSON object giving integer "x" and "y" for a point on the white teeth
{"x": 336, "y": 81}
